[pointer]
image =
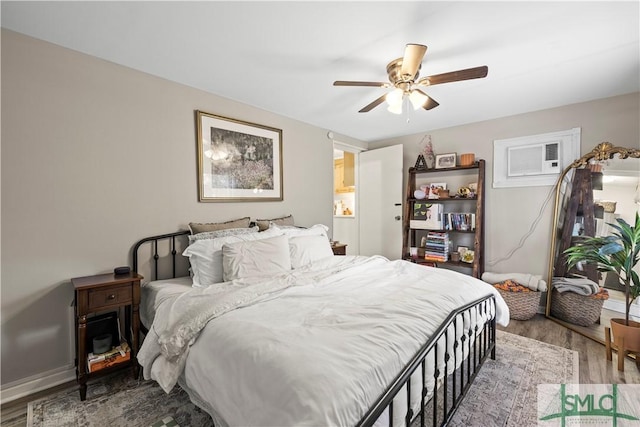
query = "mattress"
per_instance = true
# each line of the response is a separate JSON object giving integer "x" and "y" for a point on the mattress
{"x": 316, "y": 350}
{"x": 154, "y": 293}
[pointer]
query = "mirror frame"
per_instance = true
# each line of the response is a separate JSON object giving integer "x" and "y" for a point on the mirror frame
{"x": 603, "y": 151}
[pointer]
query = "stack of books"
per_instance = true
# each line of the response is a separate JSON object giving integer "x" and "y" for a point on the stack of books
{"x": 437, "y": 247}
{"x": 115, "y": 356}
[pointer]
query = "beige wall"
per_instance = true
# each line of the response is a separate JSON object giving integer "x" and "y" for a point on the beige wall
{"x": 511, "y": 212}
{"x": 96, "y": 156}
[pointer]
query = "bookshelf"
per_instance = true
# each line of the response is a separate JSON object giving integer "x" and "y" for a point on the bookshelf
{"x": 459, "y": 217}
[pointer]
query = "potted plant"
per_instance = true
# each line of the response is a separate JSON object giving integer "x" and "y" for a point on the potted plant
{"x": 617, "y": 253}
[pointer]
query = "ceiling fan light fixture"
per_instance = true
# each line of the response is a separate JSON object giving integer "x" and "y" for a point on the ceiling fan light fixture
{"x": 395, "y": 97}
{"x": 418, "y": 99}
{"x": 395, "y": 109}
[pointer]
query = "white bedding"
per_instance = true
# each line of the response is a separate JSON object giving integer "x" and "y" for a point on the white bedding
{"x": 313, "y": 347}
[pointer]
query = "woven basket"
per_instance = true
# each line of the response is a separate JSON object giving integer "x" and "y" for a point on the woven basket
{"x": 575, "y": 308}
{"x": 522, "y": 305}
{"x": 608, "y": 205}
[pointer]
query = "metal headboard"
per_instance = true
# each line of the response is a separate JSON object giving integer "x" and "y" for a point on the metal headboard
{"x": 173, "y": 241}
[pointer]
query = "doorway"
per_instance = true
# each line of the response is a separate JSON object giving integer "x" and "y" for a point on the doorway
{"x": 345, "y": 201}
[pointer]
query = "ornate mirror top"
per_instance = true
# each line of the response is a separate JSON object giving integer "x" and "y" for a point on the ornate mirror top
{"x": 605, "y": 151}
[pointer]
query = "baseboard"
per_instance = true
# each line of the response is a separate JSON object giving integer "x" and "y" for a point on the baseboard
{"x": 25, "y": 387}
{"x": 618, "y": 306}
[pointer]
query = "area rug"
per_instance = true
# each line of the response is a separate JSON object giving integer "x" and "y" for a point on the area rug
{"x": 504, "y": 394}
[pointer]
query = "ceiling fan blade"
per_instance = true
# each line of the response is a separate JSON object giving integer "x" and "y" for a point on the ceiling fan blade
{"x": 429, "y": 103}
{"x": 454, "y": 76}
{"x": 369, "y": 84}
{"x": 373, "y": 105}
{"x": 412, "y": 59}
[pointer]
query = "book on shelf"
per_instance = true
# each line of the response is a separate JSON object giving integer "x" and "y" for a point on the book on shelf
{"x": 115, "y": 356}
{"x": 457, "y": 221}
{"x": 427, "y": 216}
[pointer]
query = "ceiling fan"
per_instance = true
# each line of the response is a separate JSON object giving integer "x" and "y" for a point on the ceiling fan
{"x": 403, "y": 75}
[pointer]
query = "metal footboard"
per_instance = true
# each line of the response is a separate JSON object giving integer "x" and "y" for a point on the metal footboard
{"x": 440, "y": 403}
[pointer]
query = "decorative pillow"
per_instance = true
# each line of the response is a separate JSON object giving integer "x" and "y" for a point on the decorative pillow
{"x": 315, "y": 230}
{"x": 264, "y": 223}
{"x": 307, "y": 249}
{"x": 205, "y": 255}
{"x": 221, "y": 233}
{"x": 199, "y": 227}
{"x": 264, "y": 257}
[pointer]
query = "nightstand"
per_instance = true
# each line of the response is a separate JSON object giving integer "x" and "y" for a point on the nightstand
{"x": 339, "y": 248}
{"x": 104, "y": 292}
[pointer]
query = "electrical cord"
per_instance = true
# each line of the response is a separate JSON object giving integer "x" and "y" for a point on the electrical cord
{"x": 532, "y": 228}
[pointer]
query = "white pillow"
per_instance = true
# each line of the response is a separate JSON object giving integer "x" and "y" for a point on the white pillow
{"x": 315, "y": 230}
{"x": 307, "y": 249}
{"x": 264, "y": 257}
{"x": 205, "y": 256}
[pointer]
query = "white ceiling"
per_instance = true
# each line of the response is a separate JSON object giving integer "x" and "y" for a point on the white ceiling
{"x": 284, "y": 56}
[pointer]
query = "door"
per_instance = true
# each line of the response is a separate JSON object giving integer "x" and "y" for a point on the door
{"x": 380, "y": 201}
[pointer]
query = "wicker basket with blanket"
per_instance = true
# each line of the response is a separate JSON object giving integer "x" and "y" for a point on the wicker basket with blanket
{"x": 522, "y": 301}
{"x": 581, "y": 310}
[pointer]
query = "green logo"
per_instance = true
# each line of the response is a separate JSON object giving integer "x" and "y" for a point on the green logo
{"x": 591, "y": 404}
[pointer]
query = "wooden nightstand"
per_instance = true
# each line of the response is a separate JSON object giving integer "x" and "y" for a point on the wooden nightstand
{"x": 339, "y": 248}
{"x": 101, "y": 293}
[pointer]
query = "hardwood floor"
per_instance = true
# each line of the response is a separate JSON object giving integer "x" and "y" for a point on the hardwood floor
{"x": 594, "y": 367}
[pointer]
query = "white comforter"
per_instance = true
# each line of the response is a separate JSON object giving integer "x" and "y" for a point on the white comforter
{"x": 313, "y": 347}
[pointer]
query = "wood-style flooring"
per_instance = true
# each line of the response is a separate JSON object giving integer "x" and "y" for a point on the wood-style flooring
{"x": 594, "y": 367}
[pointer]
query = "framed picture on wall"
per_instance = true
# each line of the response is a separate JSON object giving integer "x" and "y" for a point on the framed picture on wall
{"x": 238, "y": 161}
{"x": 445, "y": 161}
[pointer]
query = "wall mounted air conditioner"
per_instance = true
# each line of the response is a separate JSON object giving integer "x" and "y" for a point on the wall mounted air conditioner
{"x": 534, "y": 160}
{"x": 537, "y": 159}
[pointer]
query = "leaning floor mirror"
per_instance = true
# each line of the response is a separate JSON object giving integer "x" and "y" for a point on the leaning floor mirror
{"x": 591, "y": 194}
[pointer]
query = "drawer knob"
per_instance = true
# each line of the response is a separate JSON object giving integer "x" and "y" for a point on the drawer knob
{"x": 112, "y": 296}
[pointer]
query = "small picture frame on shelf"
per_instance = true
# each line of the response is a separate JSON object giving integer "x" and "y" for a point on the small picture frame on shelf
{"x": 445, "y": 161}
{"x": 462, "y": 249}
{"x": 434, "y": 189}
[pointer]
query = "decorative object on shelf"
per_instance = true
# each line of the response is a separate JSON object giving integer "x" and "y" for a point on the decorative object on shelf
{"x": 455, "y": 256}
{"x": 464, "y": 192}
{"x": 443, "y": 194}
{"x": 435, "y": 188}
{"x": 419, "y": 194}
{"x": 467, "y": 159}
{"x": 473, "y": 186}
{"x": 421, "y": 163}
{"x": 427, "y": 151}
{"x": 468, "y": 256}
{"x": 445, "y": 161}
{"x": 462, "y": 249}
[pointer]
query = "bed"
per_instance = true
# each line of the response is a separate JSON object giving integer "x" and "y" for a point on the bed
{"x": 342, "y": 340}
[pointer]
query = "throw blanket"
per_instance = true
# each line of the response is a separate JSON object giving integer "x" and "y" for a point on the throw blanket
{"x": 579, "y": 285}
{"x": 533, "y": 282}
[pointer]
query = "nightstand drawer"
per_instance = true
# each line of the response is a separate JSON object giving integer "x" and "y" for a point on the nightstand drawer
{"x": 107, "y": 297}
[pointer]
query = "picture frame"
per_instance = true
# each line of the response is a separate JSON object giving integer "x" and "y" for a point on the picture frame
{"x": 444, "y": 161}
{"x": 238, "y": 161}
{"x": 434, "y": 189}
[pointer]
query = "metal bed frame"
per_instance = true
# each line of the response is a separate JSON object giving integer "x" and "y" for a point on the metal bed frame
{"x": 448, "y": 392}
